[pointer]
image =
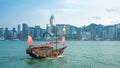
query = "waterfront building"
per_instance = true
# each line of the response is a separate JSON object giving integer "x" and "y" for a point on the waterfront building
{"x": 31, "y": 32}
{"x": 104, "y": 35}
{"x": 19, "y": 32}
{"x": 37, "y": 32}
{"x": 111, "y": 33}
{"x": 6, "y": 34}
{"x": 93, "y": 35}
{"x": 10, "y": 34}
{"x": 1, "y": 33}
{"x": 74, "y": 33}
{"x": 18, "y": 29}
{"x": 48, "y": 28}
{"x": 14, "y": 34}
{"x": 68, "y": 35}
{"x": 52, "y": 24}
{"x": 117, "y": 31}
{"x": 21, "y": 36}
{"x": 25, "y": 31}
{"x": 79, "y": 30}
{"x": 68, "y": 31}
{"x": 60, "y": 30}
{"x": 85, "y": 35}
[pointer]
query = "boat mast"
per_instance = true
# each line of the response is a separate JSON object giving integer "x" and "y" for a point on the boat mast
{"x": 56, "y": 37}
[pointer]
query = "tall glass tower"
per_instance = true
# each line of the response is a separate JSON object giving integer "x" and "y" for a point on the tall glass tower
{"x": 25, "y": 31}
{"x": 52, "y": 24}
{"x": 18, "y": 28}
{"x": 52, "y": 20}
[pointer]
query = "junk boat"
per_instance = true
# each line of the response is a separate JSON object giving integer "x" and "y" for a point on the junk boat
{"x": 45, "y": 50}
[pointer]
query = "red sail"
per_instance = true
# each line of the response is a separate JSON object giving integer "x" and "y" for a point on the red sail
{"x": 63, "y": 41}
{"x": 30, "y": 41}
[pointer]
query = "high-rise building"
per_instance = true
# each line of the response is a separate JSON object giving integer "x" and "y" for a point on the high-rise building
{"x": 105, "y": 35}
{"x": 111, "y": 33}
{"x": 31, "y": 32}
{"x": 1, "y": 33}
{"x": 25, "y": 31}
{"x": 6, "y": 34}
{"x": 51, "y": 28}
{"x": 52, "y": 20}
{"x": 14, "y": 34}
{"x": 74, "y": 33}
{"x": 37, "y": 32}
{"x": 68, "y": 30}
{"x": 118, "y": 32}
{"x": 19, "y": 32}
{"x": 85, "y": 35}
{"x": 52, "y": 24}
{"x": 60, "y": 30}
{"x": 18, "y": 28}
{"x": 48, "y": 28}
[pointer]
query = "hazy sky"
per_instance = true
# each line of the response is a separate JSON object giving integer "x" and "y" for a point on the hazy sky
{"x": 74, "y": 12}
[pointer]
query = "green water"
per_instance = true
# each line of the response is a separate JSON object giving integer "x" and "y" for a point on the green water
{"x": 78, "y": 54}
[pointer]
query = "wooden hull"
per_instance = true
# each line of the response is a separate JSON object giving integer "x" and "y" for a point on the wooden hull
{"x": 44, "y": 52}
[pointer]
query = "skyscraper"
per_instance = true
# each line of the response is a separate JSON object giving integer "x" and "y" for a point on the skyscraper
{"x": 105, "y": 35}
{"x": 18, "y": 28}
{"x": 52, "y": 20}
{"x": 48, "y": 27}
{"x": 25, "y": 31}
{"x": 1, "y": 32}
{"x": 31, "y": 32}
{"x": 14, "y": 34}
{"x": 19, "y": 32}
{"x": 60, "y": 30}
{"x": 111, "y": 33}
{"x": 118, "y": 31}
{"x": 37, "y": 32}
{"x": 52, "y": 24}
{"x": 6, "y": 34}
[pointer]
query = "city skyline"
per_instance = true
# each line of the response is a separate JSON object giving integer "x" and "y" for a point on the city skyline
{"x": 91, "y": 32}
{"x": 73, "y": 12}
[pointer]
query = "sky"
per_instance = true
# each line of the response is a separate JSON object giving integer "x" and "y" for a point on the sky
{"x": 74, "y": 12}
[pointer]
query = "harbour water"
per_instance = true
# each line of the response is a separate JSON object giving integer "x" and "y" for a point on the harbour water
{"x": 78, "y": 54}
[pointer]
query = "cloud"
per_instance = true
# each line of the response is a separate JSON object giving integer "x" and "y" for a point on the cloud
{"x": 96, "y": 17}
{"x": 115, "y": 22}
{"x": 117, "y": 10}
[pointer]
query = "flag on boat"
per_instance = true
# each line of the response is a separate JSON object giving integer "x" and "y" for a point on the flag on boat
{"x": 29, "y": 41}
{"x": 63, "y": 40}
